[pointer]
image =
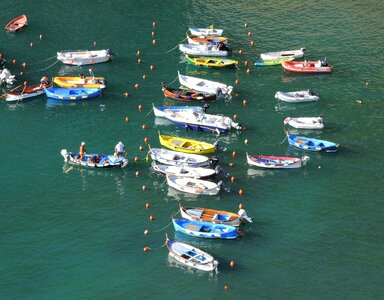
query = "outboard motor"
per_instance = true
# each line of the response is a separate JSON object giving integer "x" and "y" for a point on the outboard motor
{"x": 222, "y": 185}
{"x": 205, "y": 107}
{"x": 213, "y": 161}
{"x": 243, "y": 215}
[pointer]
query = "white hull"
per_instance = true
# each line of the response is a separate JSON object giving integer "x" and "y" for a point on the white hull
{"x": 193, "y": 186}
{"x": 280, "y": 164}
{"x": 81, "y": 58}
{"x": 175, "y": 158}
{"x": 184, "y": 171}
{"x": 297, "y": 96}
{"x": 206, "y": 31}
{"x": 12, "y": 98}
{"x": 305, "y": 122}
{"x": 283, "y": 54}
{"x": 202, "y": 50}
{"x": 205, "y": 86}
{"x": 161, "y": 113}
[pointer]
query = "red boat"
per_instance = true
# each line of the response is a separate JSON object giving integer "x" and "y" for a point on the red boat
{"x": 17, "y": 23}
{"x": 310, "y": 67}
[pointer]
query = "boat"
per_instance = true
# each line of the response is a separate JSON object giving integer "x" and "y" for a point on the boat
{"x": 211, "y": 61}
{"x": 214, "y": 215}
{"x": 311, "y": 144}
{"x": 175, "y": 158}
{"x": 201, "y": 121}
{"x": 276, "y": 162}
{"x": 28, "y": 91}
{"x": 283, "y": 54}
{"x": 185, "y": 171}
{"x": 191, "y": 256}
{"x": 308, "y": 67}
{"x": 272, "y": 62}
{"x": 219, "y": 49}
{"x": 206, "y": 39}
{"x": 186, "y": 145}
{"x": 205, "y": 86}
{"x": 206, "y": 31}
{"x": 297, "y": 96}
{"x": 94, "y": 160}
{"x": 205, "y": 229}
{"x": 72, "y": 93}
{"x": 159, "y": 111}
{"x": 85, "y": 57}
{"x": 6, "y": 77}
{"x": 305, "y": 122}
{"x": 78, "y": 82}
{"x": 187, "y": 95}
{"x": 193, "y": 185}
{"x": 17, "y": 23}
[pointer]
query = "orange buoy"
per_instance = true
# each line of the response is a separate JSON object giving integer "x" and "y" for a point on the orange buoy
{"x": 240, "y": 51}
{"x": 137, "y": 174}
{"x": 144, "y": 126}
{"x": 366, "y": 84}
{"x": 234, "y": 154}
{"x": 144, "y": 77}
{"x": 153, "y": 24}
{"x": 241, "y": 192}
{"x": 152, "y": 67}
{"x": 138, "y": 60}
{"x": 144, "y": 188}
{"x": 233, "y": 179}
{"x": 136, "y": 85}
{"x": 245, "y": 25}
{"x": 246, "y": 141}
{"x": 235, "y": 116}
{"x": 141, "y": 148}
{"x": 31, "y": 44}
{"x": 136, "y": 158}
{"x": 248, "y": 71}
{"x": 126, "y": 119}
{"x": 237, "y": 94}
{"x": 241, "y": 206}
{"x": 146, "y": 249}
{"x": 138, "y": 52}
{"x": 232, "y": 264}
{"x": 146, "y": 140}
{"x": 245, "y": 103}
{"x": 25, "y": 83}
{"x": 231, "y": 165}
{"x": 246, "y": 63}
{"x": 244, "y": 128}
{"x": 153, "y": 33}
{"x": 126, "y": 94}
{"x": 140, "y": 107}
{"x": 151, "y": 218}
{"x": 237, "y": 81}
{"x": 24, "y": 64}
{"x": 252, "y": 43}
{"x": 154, "y": 42}
{"x": 226, "y": 287}
{"x": 14, "y": 61}
{"x": 249, "y": 33}
{"x": 40, "y": 37}
{"x": 94, "y": 43}
{"x": 147, "y": 205}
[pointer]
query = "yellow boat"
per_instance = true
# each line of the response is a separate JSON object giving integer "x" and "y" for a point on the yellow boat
{"x": 186, "y": 145}
{"x": 77, "y": 82}
{"x": 211, "y": 61}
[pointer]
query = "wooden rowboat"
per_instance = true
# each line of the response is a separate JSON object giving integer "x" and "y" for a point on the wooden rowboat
{"x": 28, "y": 91}
{"x": 85, "y": 57}
{"x": 187, "y": 95}
{"x": 186, "y": 145}
{"x": 211, "y": 61}
{"x": 272, "y": 62}
{"x": 206, "y": 39}
{"x": 276, "y": 162}
{"x": 77, "y": 82}
{"x": 17, "y": 23}
{"x": 206, "y": 31}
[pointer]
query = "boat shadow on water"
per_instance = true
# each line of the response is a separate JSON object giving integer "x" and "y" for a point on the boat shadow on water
{"x": 173, "y": 263}
{"x": 282, "y": 106}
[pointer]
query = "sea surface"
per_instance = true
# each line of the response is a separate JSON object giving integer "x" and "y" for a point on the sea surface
{"x": 79, "y": 234}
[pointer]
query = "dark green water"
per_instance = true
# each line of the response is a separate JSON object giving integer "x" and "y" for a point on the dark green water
{"x": 79, "y": 235}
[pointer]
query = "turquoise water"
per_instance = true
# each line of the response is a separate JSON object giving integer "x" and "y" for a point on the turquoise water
{"x": 317, "y": 231}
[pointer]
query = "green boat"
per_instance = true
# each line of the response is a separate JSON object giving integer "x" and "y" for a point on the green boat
{"x": 273, "y": 62}
{"x": 211, "y": 61}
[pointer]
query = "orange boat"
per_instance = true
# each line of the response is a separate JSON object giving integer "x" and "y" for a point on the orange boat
{"x": 208, "y": 39}
{"x": 309, "y": 67}
{"x": 17, "y": 23}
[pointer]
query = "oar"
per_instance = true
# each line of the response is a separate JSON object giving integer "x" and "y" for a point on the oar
{"x": 69, "y": 169}
{"x": 10, "y": 91}
{"x": 22, "y": 92}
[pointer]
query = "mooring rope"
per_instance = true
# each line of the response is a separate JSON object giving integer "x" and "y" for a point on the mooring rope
{"x": 42, "y": 61}
{"x": 43, "y": 68}
{"x": 175, "y": 47}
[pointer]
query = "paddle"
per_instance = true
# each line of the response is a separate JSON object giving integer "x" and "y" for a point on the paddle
{"x": 10, "y": 91}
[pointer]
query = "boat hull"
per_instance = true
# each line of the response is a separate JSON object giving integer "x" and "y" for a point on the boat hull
{"x": 70, "y": 94}
{"x": 186, "y": 145}
{"x": 305, "y": 122}
{"x": 206, "y": 31}
{"x": 297, "y": 96}
{"x": 103, "y": 161}
{"x": 193, "y": 186}
{"x": 25, "y": 93}
{"x": 205, "y": 229}
{"x": 306, "y": 67}
{"x": 175, "y": 158}
{"x": 276, "y": 162}
{"x": 87, "y": 57}
{"x": 210, "y": 215}
{"x": 283, "y": 54}
{"x": 310, "y": 144}
{"x": 202, "y": 50}
{"x": 211, "y": 62}
{"x": 188, "y": 96}
{"x": 17, "y": 23}
{"x": 77, "y": 82}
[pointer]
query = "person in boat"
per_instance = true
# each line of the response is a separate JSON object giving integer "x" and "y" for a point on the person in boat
{"x": 306, "y": 64}
{"x": 82, "y": 78}
{"x": 44, "y": 81}
{"x": 119, "y": 149}
{"x": 318, "y": 64}
{"x": 2, "y": 63}
{"x": 82, "y": 150}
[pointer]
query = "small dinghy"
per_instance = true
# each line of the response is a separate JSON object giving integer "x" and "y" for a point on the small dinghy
{"x": 77, "y": 82}
{"x": 214, "y": 215}
{"x": 297, "y": 96}
{"x": 276, "y": 162}
{"x": 305, "y": 122}
{"x": 272, "y": 62}
{"x": 28, "y": 91}
{"x": 206, "y": 31}
{"x": 175, "y": 158}
{"x": 205, "y": 86}
{"x": 6, "y": 77}
{"x": 201, "y": 121}
{"x": 219, "y": 49}
{"x": 191, "y": 256}
{"x": 308, "y": 67}
{"x": 193, "y": 185}
{"x": 310, "y": 144}
{"x": 283, "y": 54}
{"x": 187, "y": 95}
{"x": 159, "y": 111}
{"x": 72, "y": 93}
{"x": 94, "y": 160}
{"x": 186, "y": 145}
{"x": 85, "y": 57}
{"x": 209, "y": 62}
{"x": 17, "y": 23}
{"x": 185, "y": 171}
{"x": 206, "y": 230}
{"x": 206, "y": 39}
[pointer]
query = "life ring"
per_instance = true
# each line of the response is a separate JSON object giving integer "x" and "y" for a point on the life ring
{"x": 286, "y": 121}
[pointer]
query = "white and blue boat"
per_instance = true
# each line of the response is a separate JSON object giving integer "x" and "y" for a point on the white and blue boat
{"x": 72, "y": 93}
{"x": 310, "y": 144}
{"x": 159, "y": 111}
{"x": 94, "y": 160}
{"x": 205, "y": 229}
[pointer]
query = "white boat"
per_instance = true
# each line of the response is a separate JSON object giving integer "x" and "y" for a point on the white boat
{"x": 191, "y": 256}
{"x": 159, "y": 111}
{"x": 283, "y": 54}
{"x": 184, "y": 171}
{"x": 84, "y": 57}
{"x": 205, "y": 86}
{"x": 297, "y": 96}
{"x": 276, "y": 162}
{"x": 193, "y": 186}
{"x": 201, "y": 121}
{"x": 6, "y": 77}
{"x": 175, "y": 158}
{"x": 206, "y": 31}
{"x": 305, "y": 122}
{"x": 218, "y": 49}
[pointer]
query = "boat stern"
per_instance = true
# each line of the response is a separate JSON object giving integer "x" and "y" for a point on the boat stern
{"x": 65, "y": 154}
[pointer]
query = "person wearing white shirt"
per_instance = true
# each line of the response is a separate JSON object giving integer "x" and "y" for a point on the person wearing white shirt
{"x": 119, "y": 149}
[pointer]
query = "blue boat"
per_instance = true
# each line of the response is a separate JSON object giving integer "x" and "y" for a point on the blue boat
{"x": 72, "y": 93}
{"x": 94, "y": 160}
{"x": 311, "y": 144}
{"x": 205, "y": 229}
{"x": 159, "y": 110}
